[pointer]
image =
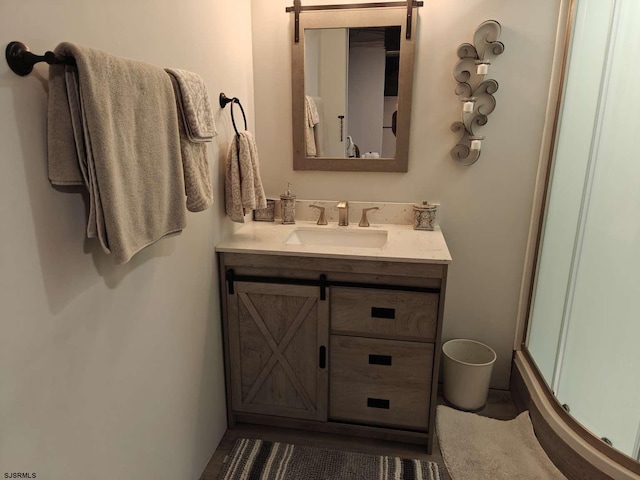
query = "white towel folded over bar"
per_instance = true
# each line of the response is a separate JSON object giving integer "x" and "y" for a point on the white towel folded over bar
{"x": 195, "y": 158}
{"x": 194, "y": 105}
{"x": 112, "y": 126}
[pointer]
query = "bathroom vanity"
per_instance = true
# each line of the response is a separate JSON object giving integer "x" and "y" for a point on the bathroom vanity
{"x": 334, "y": 329}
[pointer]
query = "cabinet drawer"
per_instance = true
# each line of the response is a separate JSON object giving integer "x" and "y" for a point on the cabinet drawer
{"x": 382, "y": 382}
{"x": 397, "y": 314}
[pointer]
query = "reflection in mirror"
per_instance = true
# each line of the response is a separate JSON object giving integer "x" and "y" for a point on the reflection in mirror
{"x": 352, "y": 77}
{"x": 351, "y": 91}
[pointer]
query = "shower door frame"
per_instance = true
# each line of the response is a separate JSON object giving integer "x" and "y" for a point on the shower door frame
{"x": 536, "y": 231}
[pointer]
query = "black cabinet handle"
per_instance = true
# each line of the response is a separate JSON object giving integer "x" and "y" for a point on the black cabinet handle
{"x": 323, "y": 357}
{"x": 323, "y": 287}
{"x": 379, "y": 359}
{"x": 377, "y": 312}
{"x": 230, "y": 275}
{"x": 378, "y": 403}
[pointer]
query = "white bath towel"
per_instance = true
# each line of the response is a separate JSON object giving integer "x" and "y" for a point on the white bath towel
{"x": 243, "y": 187}
{"x": 311, "y": 120}
{"x": 112, "y": 126}
{"x": 195, "y": 159}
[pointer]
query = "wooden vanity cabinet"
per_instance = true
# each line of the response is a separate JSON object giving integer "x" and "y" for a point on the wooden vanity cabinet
{"x": 342, "y": 346}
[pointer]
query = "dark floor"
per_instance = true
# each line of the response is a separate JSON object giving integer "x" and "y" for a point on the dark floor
{"x": 499, "y": 405}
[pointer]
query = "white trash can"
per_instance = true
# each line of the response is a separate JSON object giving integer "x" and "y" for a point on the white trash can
{"x": 467, "y": 368}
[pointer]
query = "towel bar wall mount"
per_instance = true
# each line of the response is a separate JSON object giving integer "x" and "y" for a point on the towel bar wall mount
{"x": 21, "y": 60}
{"x": 224, "y": 100}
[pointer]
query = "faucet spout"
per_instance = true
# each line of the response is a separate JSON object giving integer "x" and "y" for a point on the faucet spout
{"x": 343, "y": 213}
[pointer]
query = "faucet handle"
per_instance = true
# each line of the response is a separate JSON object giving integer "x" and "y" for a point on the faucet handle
{"x": 322, "y": 220}
{"x": 364, "y": 221}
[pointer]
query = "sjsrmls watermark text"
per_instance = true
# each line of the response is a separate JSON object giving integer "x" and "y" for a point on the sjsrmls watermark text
{"x": 20, "y": 475}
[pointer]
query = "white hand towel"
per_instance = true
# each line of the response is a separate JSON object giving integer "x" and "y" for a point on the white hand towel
{"x": 312, "y": 118}
{"x": 243, "y": 185}
{"x": 318, "y": 129}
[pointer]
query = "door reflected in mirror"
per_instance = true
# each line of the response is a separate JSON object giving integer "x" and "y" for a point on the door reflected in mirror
{"x": 352, "y": 77}
{"x": 351, "y": 91}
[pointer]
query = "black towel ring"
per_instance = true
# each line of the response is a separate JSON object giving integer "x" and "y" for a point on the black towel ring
{"x": 223, "y": 103}
{"x": 244, "y": 117}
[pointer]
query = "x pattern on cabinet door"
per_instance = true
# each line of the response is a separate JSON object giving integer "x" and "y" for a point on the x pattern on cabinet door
{"x": 278, "y": 329}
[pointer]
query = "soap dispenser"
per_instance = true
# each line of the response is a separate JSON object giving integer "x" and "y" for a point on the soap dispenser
{"x": 288, "y": 206}
{"x": 424, "y": 216}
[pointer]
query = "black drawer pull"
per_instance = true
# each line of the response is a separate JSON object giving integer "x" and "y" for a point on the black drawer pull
{"x": 377, "y": 312}
{"x": 379, "y": 359}
{"x": 377, "y": 403}
{"x": 323, "y": 357}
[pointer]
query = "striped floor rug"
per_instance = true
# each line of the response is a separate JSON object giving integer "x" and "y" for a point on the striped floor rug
{"x": 263, "y": 460}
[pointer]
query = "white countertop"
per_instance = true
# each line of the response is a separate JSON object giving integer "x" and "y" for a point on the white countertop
{"x": 404, "y": 244}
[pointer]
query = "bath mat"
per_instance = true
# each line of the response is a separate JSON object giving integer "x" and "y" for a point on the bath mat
{"x": 263, "y": 460}
{"x": 484, "y": 448}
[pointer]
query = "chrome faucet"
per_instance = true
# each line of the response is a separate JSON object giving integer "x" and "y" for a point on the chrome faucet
{"x": 343, "y": 213}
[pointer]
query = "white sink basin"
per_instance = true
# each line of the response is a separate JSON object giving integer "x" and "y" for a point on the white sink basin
{"x": 338, "y": 237}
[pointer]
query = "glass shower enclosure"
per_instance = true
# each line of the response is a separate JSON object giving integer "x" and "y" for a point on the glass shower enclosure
{"x": 584, "y": 320}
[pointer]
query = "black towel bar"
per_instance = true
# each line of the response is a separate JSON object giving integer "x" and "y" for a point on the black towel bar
{"x": 223, "y": 99}
{"x": 21, "y": 60}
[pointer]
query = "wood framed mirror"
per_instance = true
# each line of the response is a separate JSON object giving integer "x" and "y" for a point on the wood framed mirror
{"x": 352, "y": 81}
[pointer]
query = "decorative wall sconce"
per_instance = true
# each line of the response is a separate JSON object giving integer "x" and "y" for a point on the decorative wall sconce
{"x": 476, "y": 93}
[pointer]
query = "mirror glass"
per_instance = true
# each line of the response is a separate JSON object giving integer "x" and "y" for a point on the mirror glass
{"x": 351, "y": 91}
{"x": 352, "y": 75}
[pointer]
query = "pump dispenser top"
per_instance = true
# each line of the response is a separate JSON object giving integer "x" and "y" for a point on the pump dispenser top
{"x": 288, "y": 206}
{"x": 287, "y": 193}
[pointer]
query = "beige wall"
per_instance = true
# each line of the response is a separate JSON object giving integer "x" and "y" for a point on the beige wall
{"x": 486, "y": 207}
{"x": 110, "y": 372}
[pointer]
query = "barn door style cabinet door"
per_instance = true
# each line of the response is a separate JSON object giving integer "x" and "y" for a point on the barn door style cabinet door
{"x": 278, "y": 337}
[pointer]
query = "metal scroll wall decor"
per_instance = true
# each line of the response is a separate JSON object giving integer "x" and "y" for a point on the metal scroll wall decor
{"x": 474, "y": 90}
